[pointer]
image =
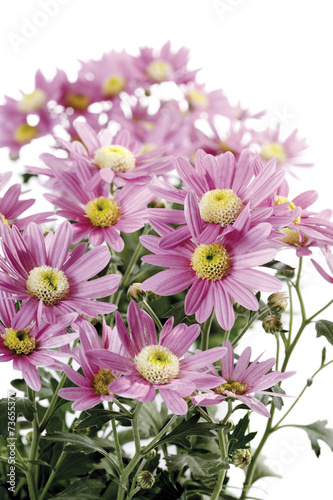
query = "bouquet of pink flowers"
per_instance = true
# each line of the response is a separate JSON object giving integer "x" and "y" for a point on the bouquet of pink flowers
{"x": 123, "y": 306}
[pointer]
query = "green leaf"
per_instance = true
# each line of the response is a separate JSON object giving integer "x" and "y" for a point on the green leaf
{"x": 238, "y": 439}
{"x": 186, "y": 428}
{"x": 262, "y": 470}
{"x": 152, "y": 419}
{"x": 199, "y": 467}
{"x": 318, "y": 430}
{"x": 324, "y": 328}
{"x": 86, "y": 488}
{"x": 276, "y": 400}
{"x": 82, "y": 444}
{"x": 10, "y": 408}
{"x": 177, "y": 311}
{"x": 279, "y": 266}
{"x": 97, "y": 418}
{"x": 40, "y": 462}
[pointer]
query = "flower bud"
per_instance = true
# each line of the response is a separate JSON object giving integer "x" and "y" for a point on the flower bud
{"x": 272, "y": 324}
{"x": 288, "y": 273}
{"x": 28, "y": 436}
{"x": 157, "y": 203}
{"x": 134, "y": 292}
{"x": 145, "y": 479}
{"x": 241, "y": 458}
{"x": 239, "y": 309}
{"x": 278, "y": 302}
{"x": 229, "y": 426}
{"x": 151, "y": 454}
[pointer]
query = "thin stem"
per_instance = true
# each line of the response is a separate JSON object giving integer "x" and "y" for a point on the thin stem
{"x": 139, "y": 469}
{"x": 152, "y": 443}
{"x": 249, "y": 324}
{"x": 223, "y": 441}
{"x": 116, "y": 444}
{"x": 291, "y": 313}
{"x": 122, "y": 407}
{"x": 52, "y": 475}
{"x": 277, "y": 336}
{"x": 152, "y": 313}
{"x": 320, "y": 310}
{"x": 135, "y": 427}
{"x": 205, "y": 332}
{"x": 31, "y": 469}
{"x": 125, "y": 280}
{"x": 49, "y": 412}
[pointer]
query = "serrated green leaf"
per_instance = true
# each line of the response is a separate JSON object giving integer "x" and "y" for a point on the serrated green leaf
{"x": 86, "y": 488}
{"x": 186, "y": 428}
{"x": 199, "y": 467}
{"x": 97, "y": 418}
{"x": 238, "y": 439}
{"x": 318, "y": 430}
{"x": 262, "y": 470}
{"x": 152, "y": 419}
{"x": 40, "y": 462}
{"x": 324, "y": 328}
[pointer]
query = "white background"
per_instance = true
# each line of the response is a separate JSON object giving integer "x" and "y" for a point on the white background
{"x": 273, "y": 55}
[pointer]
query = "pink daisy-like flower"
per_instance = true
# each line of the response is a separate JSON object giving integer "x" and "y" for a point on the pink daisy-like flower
{"x": 204, "y": 103}
{"x": 216, "y": 270}
{"x": 50, "y": 280}
{"x": 164, "y": 66}
{"x": 98, "y": 214}
{"x": 150, "y": 365}
{"x": 11, "y": 207}
{"x": 287, "y": 152}
{"x": 242, "y": 380}
{"x": 220, "y": 188}
{"x": 32, "y": 345}
{"x": 120, "y": 159}
{"x": 93, "y": 385}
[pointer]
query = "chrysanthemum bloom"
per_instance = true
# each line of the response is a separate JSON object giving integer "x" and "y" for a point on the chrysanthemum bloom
{"x": 329, "y": 261}
{"x": 164, "y": 66}
{"x": 220, "y": 188}
{"x": 308, "y": 228}
{"x": 120, "y": 158}
{"x": 218, "y": 270}
{"x": 93, "y": 385}
{"x": 211, "y": 103}
{"x": 242, "y": 380}
{"x": 150, "y": 365}
{"x": 50, "y": 280}
{"x": 98, "y": 214}
{"x": 234, "y": 139}
{"x": 32, "y": 345}
{"x": 11, "y": 207}
{"x": 287, "y": 152}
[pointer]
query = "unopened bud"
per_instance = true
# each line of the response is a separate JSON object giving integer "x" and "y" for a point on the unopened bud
{"x": 277, "y": 302}
{"x": 157, "y": 203}
{"x": 145, "y": 479}
{"x": 28, "y": 436}
{"x": 134, "y": 292}
{"x": 229, "y": 426}
{"x": 151, "y": 454}
{"x": 239, "y": 309}
{"x": 241, "y": 458}
{"x": 288, "y": 273}
{"x": 272, "y": 324}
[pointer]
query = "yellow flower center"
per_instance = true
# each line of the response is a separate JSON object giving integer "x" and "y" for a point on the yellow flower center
{"x": 32, "y": 102}
{"x": 118, "y": 158}
{"x": 113, "y": 85}
{"x": 211, "y": 262}
{"x": 79, "y": 102}
{"x": 25, "y": 133}
{"x": 4, "y": 220}
{"x": 224, "y": 147}
{"x": 102, "y": 380}
{"x": 103, "y": 212}
{"x": 48, "y": 283}
{"x": 292, "y": 237}
{"x": 232, "y": 386}
{"x": 159, "y": 71}
{"x": 197, "y": 99}
{"x": 220, "y": 206}
{"x": 281, "y": 199}
{"x": 274, "y": 150}
{"x": 19, "y": 341}
{"x": 157, "y": 364}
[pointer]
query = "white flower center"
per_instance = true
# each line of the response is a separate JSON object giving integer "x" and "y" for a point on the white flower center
{"x": 220, "y": 206}
{"x": 157, "y": 364}
{"x": 32, "y": 102}
{"x": 159, "y": 71}
{"x": 48, "y": 283}
{"x": 118, "y": 158}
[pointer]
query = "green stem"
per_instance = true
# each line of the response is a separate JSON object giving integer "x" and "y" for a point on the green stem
{"x": 152, "y": 443}
{"x": 291, "y": 314}
{"x": 152, "y": 313}
{"x": 223, "y": 441}
{"x": 205, "y": 332}
{"x": 249, "y": 324}
{"x": 50, "y": 410}
{"x": 52, "y": 475}
{"x": 122, "y": 408}
{"x": 31, "y": 472}
{"x": 116, "y": 444}
{"x": 320, "y": 310}
{"x": 277, "y": 350}
{"x": 125, "y": 280}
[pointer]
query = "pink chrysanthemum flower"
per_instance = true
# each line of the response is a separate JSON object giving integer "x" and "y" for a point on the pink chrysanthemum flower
{"x": 11, "y": 207}
{"x": 93, "y": 385}
{"x": 220, "y": 188}
{"x": 217, "y": 270}
{"x": 50, "y": 280}
{"x": 32, "y": 345}
{"x": 99, "y": 215}
{"x": 203, "y": 103}
{"x": 164, "y": 66}
{"x": 329, "y": 261}
{"x": 242, "y": 380}
{"x": 120, "y": 158}
{"x": 287, "y": 152}
{"x": 150, "y": 365}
